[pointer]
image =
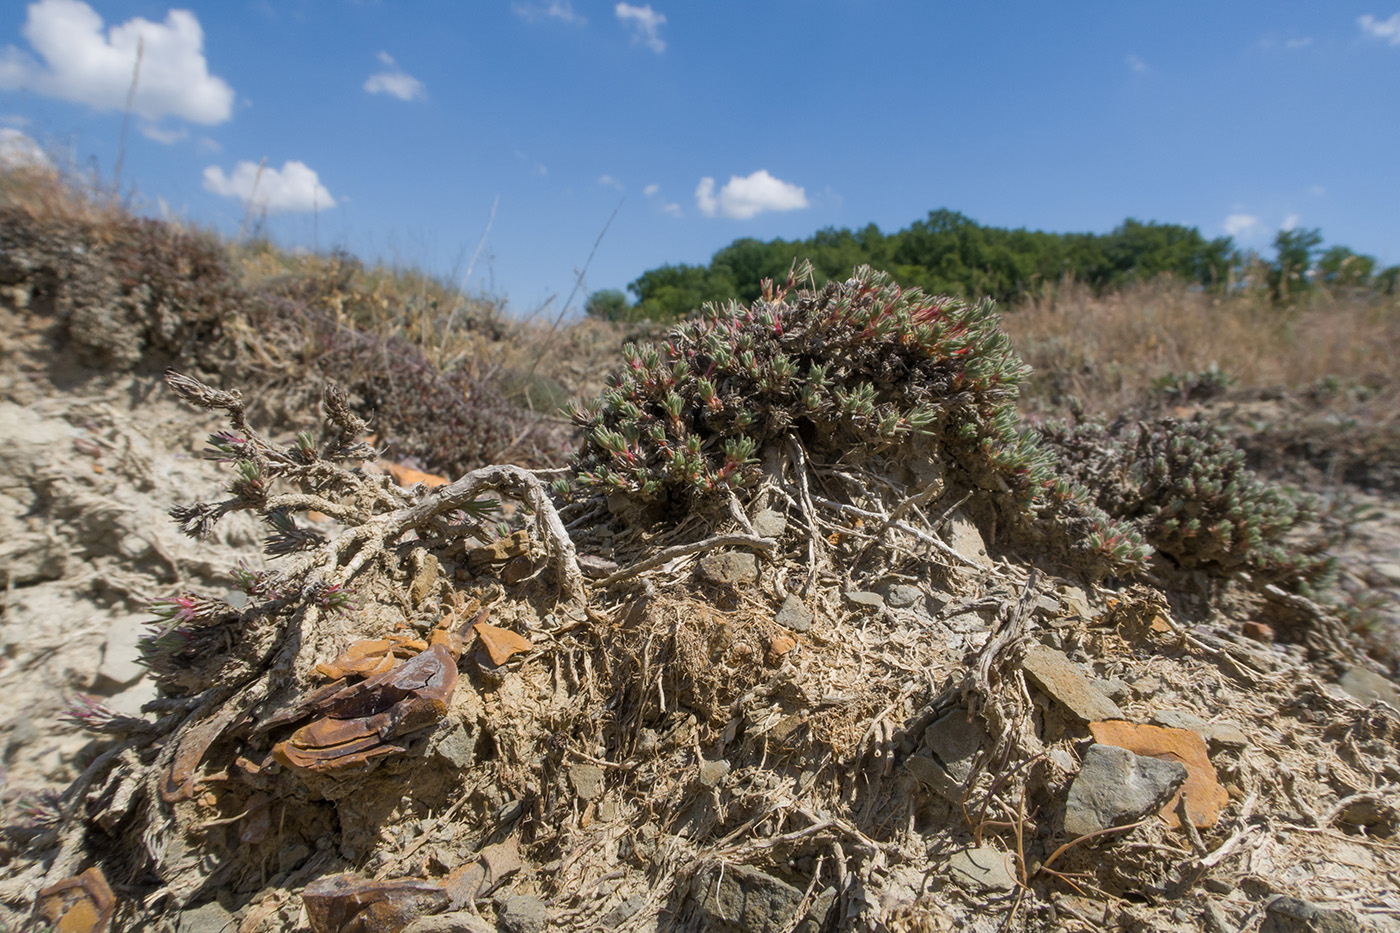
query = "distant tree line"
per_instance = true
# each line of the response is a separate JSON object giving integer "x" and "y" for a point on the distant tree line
{"x": 948, "y": 253}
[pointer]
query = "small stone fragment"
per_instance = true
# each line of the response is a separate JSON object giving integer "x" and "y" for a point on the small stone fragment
{"x": 963, "y": 537}
{"x": 1115, "y": 787}
{"x": 712, "y": 772}
{"x": 904, "y": 596}
{"x": 1058, "y": 676}
{"x": 501, "y": 644}
{"x": 865, "y": 599}
{"x": 587, "y": 780}
{"x": 500, "y": 550}
{"x": 955, "y": 740}
{"x": 770, "y": 523}
{"x": 207, "y": 918}
{"x": 1077, "y": 602}
{"x": 794, "y": 615}
{"x": 1368, "y": 686}
{"x": 934, "y": 776}
{"x": 1292, "y": 915}
{"x": 522, "y": 913}
{"x": 778, "y": 646}
{"x": 459, "y": 921}
{"x": 347, "y": 902}
{"x": 121, "y": 654}
{"x": 741, "y": 897}
{"x": 1220, "y": 734}
{"x": 729, "y": 568}
{"x": 984, "y": 868}
{"x": 1204, "y": 796}
{"x": 517, "y": 569}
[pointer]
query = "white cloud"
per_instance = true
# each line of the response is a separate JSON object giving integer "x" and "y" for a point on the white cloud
{"x": 562, "y": 10}
{"x": 83, "y": 65}
{"x": 607, "y": 181}
{"x": 539, "y": 168}
{"x": 1317, "y": 191}
{"x": 1291, "y": 222}
{"x": 17, "y": 150}
{"x": 294, "y": 188}
{"x": 671, "y": 208}
{"x": 743, "y": 198}
{"x": 1239, "y": 224}
{"x": 1138, "y": 65}
{"x": 1387, "y": 29}
{"x": 645, "y": 24}
{"x": 162, "y": 135}
{"x": 395, "y": 82}
{"x": 651, "y": 189}
{"x": 1299, "y": 43}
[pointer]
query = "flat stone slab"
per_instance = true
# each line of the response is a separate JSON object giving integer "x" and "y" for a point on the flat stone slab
{"x": 1058, "y": 676}
{"x": 1291, "y": 915}
{"x": 964, "y": 538}
{"x": 983, "y": 868}
{"x": 1368, "y": 686}
{"x": 1222, "y": 734}
{"x": 954, "y": 740}
{"x": 794, "y": 615}
{"x": 729, "y": 567}
{"x": 742, "y": 898}
{"x": 1115, "y": 787}
{"x": 1204, "y": 796}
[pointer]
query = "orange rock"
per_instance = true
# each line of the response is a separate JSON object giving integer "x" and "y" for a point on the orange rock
{"x": 501, "y": 643}
{"x": 407, "y": 476}
{"x": 1204, "y": 795}
{"x": 780, "y": 645}
{"x": 1259, "y": 632}
{"x": 83, "y": 904}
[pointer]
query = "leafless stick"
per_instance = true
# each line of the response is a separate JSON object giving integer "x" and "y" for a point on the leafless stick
{"x": 682, "y": 550}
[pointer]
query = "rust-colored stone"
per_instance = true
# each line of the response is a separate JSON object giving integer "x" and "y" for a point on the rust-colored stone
{"x": 1259, "y": 632}
{"x": 349, "y": 903}
{"x": 407, "y": 476}
{"x": 82, "y": 904}
{"x": 1204, "y": 795}
{"x": 779, "y": 645}
{"x": 501, "y": 644}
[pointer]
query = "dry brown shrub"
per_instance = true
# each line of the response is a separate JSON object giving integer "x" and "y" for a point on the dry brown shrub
{"x": 1107, "y": 350}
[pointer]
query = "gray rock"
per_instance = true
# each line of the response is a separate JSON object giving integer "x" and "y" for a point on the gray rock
{"x": 1114, "y": 787}
{"x": 1217, "y": 734}
{"x": 983, "y": 868}
{"x": 904, "y": 596}
{"x": 587, "y": 780}
{"x": 770, "y": 523}
{"x": 1058, "y": 676}
{"x": 732, "y": 568}
{"x": 1368, "y": 686}
{"x": 954, "y": 740}
{"x": 1077, "y": 602}
{"x": 121, "y": 654}
{"x": 623, "y": 912}
{"x": 743, "y": 899}
{"x": 457, "y": 921}
{"x": 935, "y": 777}
{"x": 522, "y": 913}
{"x": 1291, "y": 915}
{"x": 455, "y": 742}
{"x": 207, "y": 918}
{"x": 865, "y": 599}
{"x": 712, "y": 772}
{"x": 1389, "y": 571}
{"x": 963, "y": 537}
{"x": 794, "y": 615}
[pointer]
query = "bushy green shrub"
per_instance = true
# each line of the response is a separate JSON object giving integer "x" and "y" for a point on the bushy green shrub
{"x": 859, "y": 363}
{"x": 1187, "y": 489}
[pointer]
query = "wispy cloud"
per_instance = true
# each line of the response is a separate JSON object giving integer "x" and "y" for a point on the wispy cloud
{"x": 17, "y": 150}
{"x": 83, "y": 64}
{"x": 1316, "y": 191}
{"x": 1137, "y": 65}
{"x": 651, "y": 189}
{"x": 742, "y": 198}
{"x": 672, "y": 208}
{"x": 607, "y": 181}
{"x": 1386, "y": 29}
{"x": 160, "y": 134}
{"x": 645, "y": 24}
{"x": 1272, "y": 42}
{"x": 292, "y": 189}
{"x": 539, "y": 168}
{"x": 1291, "y": 222}
{"x": 1241, "y": 224}
{"x": 562, "y": 10}
{"x": 394, "y": 81}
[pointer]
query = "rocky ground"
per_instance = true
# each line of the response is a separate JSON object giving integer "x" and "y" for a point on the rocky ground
{"x": 952, "y": 740}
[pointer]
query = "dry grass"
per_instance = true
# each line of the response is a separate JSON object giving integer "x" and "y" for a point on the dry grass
{"x": 1108, "y": 350}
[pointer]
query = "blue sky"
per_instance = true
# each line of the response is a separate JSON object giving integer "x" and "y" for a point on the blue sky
{"x": 402, "y": 130}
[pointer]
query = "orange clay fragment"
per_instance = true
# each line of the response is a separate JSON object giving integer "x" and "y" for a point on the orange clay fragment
{"x": 1204, "y": 795}
{"x": 407, "y": 476}
{"x": 83, "y": 904}
{"x": 355, "y": 725}
{"x": 501, "y": 644}
{"x": 371, "y": 656}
